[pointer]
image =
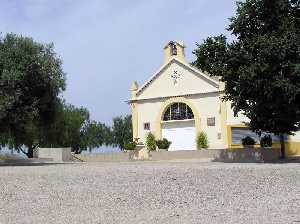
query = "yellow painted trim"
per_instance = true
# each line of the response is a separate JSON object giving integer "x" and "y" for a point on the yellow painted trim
{"x": 164, "y": 107}
{"x": 229, "y": 135}
{"x": 292, "y": 148}
{"x": 224, "y": 131}
{"x": 223, "y": 108}
{"x": 135, "y": 126}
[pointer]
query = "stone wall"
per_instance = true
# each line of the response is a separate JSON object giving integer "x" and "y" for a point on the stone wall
{"x": 248, "y": 155}
{"x": 185, "y": 154}
{"x": 104, "y": 157}
{"x": 56, "y": 154}
{"x": 144, "y": 155}
{"x": 217, "y": 155}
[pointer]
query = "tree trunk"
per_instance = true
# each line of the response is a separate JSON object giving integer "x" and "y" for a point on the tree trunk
{"x": 30, "y": 152}
{"x": 282, "y": 147}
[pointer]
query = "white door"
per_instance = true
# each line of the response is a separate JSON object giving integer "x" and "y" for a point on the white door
{"x": 182, "y": 134}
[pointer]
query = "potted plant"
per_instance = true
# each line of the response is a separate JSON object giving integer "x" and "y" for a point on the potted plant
{"x": 202, "y": 141}
{"x": 150, "y": 142}
{"x": 163, "y": 144}
{"x": 248, "y": 142}
{"x": 266, "y": 141}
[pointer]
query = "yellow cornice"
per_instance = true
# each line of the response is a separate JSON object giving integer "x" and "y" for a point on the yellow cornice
{"x": 167, "y": 97}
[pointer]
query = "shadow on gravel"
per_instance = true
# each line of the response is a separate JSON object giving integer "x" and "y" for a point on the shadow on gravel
{"x": 279, "y": 161}
{"x": 5, "y": 164}
{"x": 28, "y": 162}
{"x": 253, "y": 156}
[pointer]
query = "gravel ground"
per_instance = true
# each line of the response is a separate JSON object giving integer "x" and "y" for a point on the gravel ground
{"x": 150, "y": 192}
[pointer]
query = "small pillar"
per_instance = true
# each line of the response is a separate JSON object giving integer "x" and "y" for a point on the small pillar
{"x": 134, "y": 110}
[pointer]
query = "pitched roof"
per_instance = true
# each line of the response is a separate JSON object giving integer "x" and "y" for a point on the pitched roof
{"x": 213, "y": 81}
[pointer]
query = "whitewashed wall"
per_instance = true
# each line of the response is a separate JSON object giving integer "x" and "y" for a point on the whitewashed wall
{"x": 208, "y": 106}
{"x": 231, "y": 119}
{"x": 295, "y": 137}
{"x": 148, "y": 112}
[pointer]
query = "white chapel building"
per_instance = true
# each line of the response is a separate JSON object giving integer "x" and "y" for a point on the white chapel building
{"x": 179, "y": 101}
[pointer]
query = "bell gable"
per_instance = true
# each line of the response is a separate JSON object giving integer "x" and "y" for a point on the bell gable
{"x": 177, "y": 78}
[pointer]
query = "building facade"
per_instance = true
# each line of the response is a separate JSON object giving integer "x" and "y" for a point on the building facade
{"x": 179, "y": 101}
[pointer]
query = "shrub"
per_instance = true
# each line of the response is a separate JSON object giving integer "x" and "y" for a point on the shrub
{"x": 150, "y": 142}
{"x": 163, "y": 144}
{"x": 266, "y": 141}
{"x": 248, "y": 141}
{"x": 202, "y": 141}
{"x": 130, "y": 145}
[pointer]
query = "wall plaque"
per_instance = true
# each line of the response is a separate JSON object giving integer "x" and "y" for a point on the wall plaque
{"x": 211, "y": 121}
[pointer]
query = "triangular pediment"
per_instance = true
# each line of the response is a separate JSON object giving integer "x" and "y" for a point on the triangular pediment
{"x": 177, "y": 78}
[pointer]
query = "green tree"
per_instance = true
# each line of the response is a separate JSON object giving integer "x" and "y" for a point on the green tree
{"x": 212, "y": 55}
{"x": 73, "y": 128}
{"x": 75, "y": 121}
{"x": 261, "y": 67}
{"x": 68, "y": 129}
{"x": 121, "y": 131}
{"x": 96, "y": 134}
{"x": 31, "y": 79}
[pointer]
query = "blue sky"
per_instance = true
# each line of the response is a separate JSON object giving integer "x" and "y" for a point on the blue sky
{"x": 107, "y": 44}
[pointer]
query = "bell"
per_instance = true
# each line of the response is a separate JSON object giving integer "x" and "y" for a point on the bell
{"x": 174, "y": 49}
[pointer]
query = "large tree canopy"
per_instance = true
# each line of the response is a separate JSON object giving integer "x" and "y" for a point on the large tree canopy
{"x": 261, "y": 67}
{"x": 32, "y": 113}
{"x": 31, "y": 79}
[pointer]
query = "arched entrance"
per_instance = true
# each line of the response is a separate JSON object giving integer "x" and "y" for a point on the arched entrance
{"x": 179, "y": 122}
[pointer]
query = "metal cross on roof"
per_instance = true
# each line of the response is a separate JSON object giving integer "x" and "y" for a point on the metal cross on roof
{"x": 175, "y": 76}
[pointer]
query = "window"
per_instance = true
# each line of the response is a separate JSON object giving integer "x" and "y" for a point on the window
{"x": 178, "y": 111}
{"x": 239, "y": 133}
{"x": 147, "y": 126}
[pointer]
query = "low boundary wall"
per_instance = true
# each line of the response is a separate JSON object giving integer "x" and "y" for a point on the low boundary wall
{"x": 185, "y": 154}
{"x": 104, "y": 157}
{"x": 217, "y": 155}
{"x": 56, "y": 154}
{"x": 248, "y": 155}
{"x": 154, "y": 155}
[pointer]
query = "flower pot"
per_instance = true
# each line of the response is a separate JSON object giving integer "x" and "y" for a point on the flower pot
{"x": 133, "y": 154}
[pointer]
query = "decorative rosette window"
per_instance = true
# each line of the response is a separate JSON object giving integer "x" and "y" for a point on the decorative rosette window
{"x": 178, "y": 111}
